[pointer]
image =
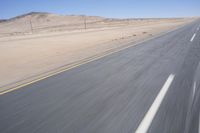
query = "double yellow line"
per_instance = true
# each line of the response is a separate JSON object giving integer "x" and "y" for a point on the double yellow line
{"x": 108, "y": 52}
{"x": 21, "y": 85}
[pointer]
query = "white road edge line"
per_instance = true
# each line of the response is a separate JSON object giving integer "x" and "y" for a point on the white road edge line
{"x": 193, "y": 37}
{"x": 199, "y": 123}
{"x": 194, "y": 89}
{"x": 148, "y": 118}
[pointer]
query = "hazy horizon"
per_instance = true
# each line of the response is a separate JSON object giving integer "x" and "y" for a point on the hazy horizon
{"x": 92, "y": 15}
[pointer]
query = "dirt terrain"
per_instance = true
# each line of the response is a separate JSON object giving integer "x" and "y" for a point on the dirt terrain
{"x": 35, "y": 43}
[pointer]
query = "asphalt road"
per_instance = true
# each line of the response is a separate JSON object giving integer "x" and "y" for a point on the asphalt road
{"x": 151, "y": 87}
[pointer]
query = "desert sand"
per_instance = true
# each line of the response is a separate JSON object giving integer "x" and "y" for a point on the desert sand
{"x": 48, "y": 41}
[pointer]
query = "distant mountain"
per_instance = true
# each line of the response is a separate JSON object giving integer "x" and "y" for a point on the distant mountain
{"x": 49, "y": 16}
{"x": 43, "y": 21}
{"x": 3, "y": 20}
{"x": 28, "y": 14}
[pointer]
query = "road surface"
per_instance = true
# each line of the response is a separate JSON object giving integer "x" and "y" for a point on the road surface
{"x": 151, "y": 87}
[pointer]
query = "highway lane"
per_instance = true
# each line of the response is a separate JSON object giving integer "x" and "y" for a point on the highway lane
{"x": 113, "y": 94}
{"x": 177, "y": 110}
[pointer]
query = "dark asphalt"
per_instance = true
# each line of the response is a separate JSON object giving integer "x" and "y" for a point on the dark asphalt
{"x": 112, "y": 94}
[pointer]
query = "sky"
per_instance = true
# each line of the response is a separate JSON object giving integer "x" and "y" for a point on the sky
{"x": 104, "y": 8}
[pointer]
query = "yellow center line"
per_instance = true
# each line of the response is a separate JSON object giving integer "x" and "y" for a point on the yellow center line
{"x": 85, "y": 62}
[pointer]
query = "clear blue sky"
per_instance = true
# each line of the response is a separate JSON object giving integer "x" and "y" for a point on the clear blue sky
{"x": 106, "y": 8}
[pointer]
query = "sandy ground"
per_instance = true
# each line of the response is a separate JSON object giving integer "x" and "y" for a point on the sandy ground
{"x": 24, "y": 56}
